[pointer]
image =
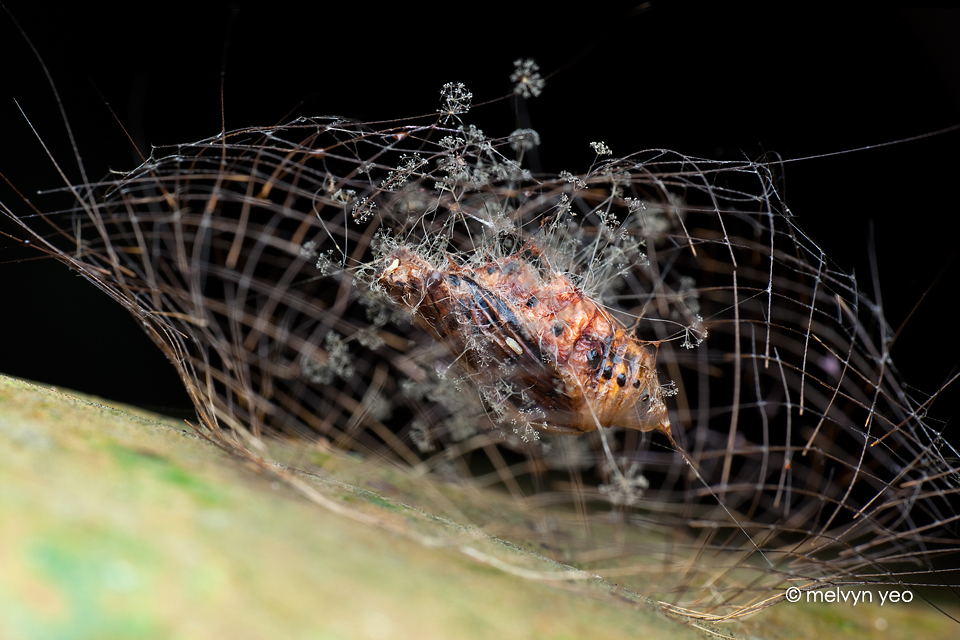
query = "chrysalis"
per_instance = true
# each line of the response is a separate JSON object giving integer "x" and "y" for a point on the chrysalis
{"x": 572, "y": 363}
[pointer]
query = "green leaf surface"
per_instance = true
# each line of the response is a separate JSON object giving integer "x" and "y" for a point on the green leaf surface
{"x": 120, "y": 524}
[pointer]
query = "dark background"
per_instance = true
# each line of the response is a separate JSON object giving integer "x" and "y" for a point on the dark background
{"x": 720, "y": 83}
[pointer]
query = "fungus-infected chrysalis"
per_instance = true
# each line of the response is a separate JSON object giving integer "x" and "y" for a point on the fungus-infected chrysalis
{"x": 569, "y": 363}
